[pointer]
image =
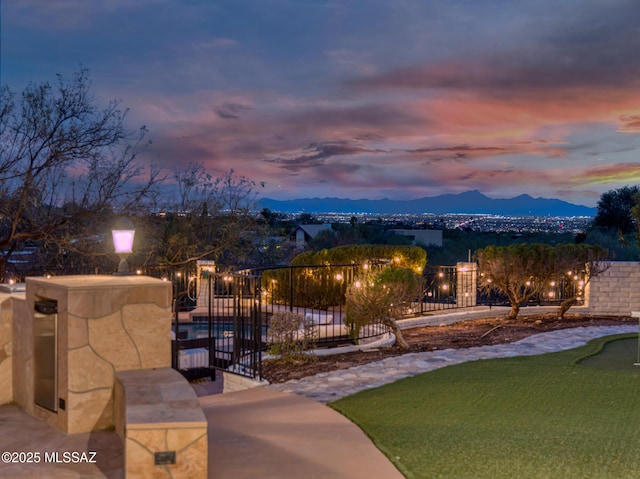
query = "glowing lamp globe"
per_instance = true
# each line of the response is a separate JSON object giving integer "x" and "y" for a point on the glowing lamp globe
{"x": 123, "y": 234}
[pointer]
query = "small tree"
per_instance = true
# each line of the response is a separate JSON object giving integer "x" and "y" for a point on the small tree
{"x": 635, "y": 212}
{"x": 521, "y": 272}
{"x": 579, "y": 262}
{"x": 517, "y": 271}
{"x": 381, "y": 296}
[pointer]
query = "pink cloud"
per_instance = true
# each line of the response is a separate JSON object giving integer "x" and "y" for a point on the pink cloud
{"x": 629, "y": 124}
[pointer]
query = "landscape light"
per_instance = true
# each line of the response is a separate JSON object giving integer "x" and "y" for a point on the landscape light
{"x": 123, "y": 234}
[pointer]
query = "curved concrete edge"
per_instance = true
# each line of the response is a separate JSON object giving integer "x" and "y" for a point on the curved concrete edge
{"x": 262, "y": 433}
{"x": 385, "y": 340}
{"x": 445, "y": 317}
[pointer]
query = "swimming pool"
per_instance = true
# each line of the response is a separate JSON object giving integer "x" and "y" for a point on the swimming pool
{"x": 218, "y": 330}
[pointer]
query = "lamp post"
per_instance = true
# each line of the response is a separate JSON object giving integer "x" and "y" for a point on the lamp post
{"x": 123, "y": 234}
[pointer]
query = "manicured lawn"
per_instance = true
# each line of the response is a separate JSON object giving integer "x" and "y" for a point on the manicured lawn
{"x": 529, "y": 417}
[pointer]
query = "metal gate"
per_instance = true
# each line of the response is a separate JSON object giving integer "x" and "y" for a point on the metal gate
{"x": 235, "y": 320}
{"x": 231, "y": 325}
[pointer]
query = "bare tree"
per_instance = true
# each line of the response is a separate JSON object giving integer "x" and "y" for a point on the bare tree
{"x": 195, "y": 186}
{"x": 214, "y": 219}
{"x": 64, "y": 159}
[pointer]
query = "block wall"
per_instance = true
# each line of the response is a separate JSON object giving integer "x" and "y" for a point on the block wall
{"x": 616, "y": 291}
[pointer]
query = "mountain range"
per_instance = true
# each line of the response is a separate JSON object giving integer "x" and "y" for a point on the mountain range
{"x": 470, "y": 202}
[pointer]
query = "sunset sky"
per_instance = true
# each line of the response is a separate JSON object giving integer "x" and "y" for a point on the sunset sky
{"x": 359, "y": 98}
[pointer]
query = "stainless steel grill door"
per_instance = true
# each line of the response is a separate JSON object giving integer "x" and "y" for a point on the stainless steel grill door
{"x": 45, "y": 354}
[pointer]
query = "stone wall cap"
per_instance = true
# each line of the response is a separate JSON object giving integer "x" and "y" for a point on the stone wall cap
{"x": 98, "y": 281}
{"x": 159, "y": 398}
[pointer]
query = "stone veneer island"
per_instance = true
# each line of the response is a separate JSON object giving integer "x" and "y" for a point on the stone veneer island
{"x": 105, "y": 324}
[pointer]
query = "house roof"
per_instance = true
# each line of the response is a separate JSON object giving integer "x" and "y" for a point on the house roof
{"x": 312, "y": 230}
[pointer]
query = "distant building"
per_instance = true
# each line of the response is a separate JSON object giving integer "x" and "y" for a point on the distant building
{"x": 305, "y": 233}
{"x": 425, "y": 237}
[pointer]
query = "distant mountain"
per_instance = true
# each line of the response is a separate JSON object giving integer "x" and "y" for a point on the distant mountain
{"x": 470, "y": 202}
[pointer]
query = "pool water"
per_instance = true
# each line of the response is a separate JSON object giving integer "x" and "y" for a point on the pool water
{"x": 218, "y": 330}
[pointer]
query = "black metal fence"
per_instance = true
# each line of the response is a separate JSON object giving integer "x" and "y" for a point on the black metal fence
{"x": 227, "y": 332}
{"x": 317, "y": 293}
{"x": 221, "y": 320}
{"x": 440, "y": 289}
{"x": 229, "y": 327}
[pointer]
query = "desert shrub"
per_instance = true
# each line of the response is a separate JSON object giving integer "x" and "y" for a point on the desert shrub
{"x": 290, "y": 335}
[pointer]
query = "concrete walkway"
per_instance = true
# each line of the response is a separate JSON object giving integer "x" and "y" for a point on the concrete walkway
{"x": 265, "y": 434}
{"x": 253, "y": 434}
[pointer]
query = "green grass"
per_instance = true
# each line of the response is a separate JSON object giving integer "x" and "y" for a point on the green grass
{"x": 619, "y": 354}
{"x": 528, "y": 417}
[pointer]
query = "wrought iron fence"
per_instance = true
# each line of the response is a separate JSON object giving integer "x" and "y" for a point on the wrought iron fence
{"x": 231, "y": 320}
{"x": 317, "y": 293}
{"x": 234, "y": 311}
{"x": 439, "y": 289}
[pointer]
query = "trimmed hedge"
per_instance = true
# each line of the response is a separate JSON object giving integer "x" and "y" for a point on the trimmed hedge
{"x": 412, "y": 257}
{"x": 320, "y": 279}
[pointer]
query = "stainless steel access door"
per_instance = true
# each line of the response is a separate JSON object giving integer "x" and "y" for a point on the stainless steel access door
{"x": 45, "y": 354}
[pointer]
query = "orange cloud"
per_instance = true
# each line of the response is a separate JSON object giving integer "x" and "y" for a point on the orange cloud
{"x": 629, "y": 124}
{"x": 617, "y": 173}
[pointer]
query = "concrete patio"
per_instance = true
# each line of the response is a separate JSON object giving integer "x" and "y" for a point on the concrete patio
{"x": 257, "y": 433}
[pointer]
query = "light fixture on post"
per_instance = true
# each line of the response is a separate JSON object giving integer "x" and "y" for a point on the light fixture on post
{"x": 123, "y": 234}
